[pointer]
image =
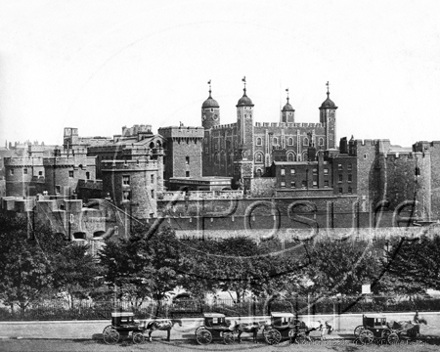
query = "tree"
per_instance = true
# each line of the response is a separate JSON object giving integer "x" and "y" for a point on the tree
{"x": 76, "y": 271}
{"x": 142, "y": 266}
{"x": 26, "y": 265}
{"x": 340, "y": 267}
{"x": 238, "y": 264}
{"x": 415, "y": 262}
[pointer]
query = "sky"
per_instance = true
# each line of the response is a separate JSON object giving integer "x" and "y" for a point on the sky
{"x": 102, "y": 64}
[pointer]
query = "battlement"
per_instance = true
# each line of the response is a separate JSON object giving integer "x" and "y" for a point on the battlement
{"x": 182, "y": 132}
{"x": 90, "y": 184}
{"x": 23, "y": 161}
{"x": 135, "y": 130}
{"x": 228, "y": 125}
{"x": 289, "y": 124}
{"x": 69, "y": 161}
{"x": 112, "y": 165}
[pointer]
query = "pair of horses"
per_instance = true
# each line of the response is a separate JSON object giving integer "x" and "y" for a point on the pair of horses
{"x": 254, "y": 327}
{"x": 411, "y": 327}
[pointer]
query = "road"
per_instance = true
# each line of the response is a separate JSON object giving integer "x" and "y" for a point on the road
{"x": 40, "y": 345}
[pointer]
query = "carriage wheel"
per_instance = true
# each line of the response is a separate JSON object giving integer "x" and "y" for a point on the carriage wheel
{"x": 228, "y": 337}
{"x": 107, "y": 328}
{"x": 366, "y": 336}
{"x": 111, "y": 336}
{"x": 138, "y": 337}
{"x": 203, "y": 336}
{"x": 393, "y": 338}
{"x": 301, "y": 338}
{"x": 273, "y": 337}
{"x": 358, "y": 329}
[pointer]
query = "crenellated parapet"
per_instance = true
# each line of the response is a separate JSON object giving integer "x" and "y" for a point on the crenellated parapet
{"x": 289, "y": 124}
{"x": 225, "y": 126}
{"x": 181, "y": 132}
{"x": 23, "y": 161}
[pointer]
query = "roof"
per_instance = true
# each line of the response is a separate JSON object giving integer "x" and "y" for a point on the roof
{"x": 244, "y": 100}
{"x": 213, "y": 315}
{"x": 328, "y": 103}
{"x": 375, "y": 316}
{"x": 288, "y": 107}
{"x": 282, "y": 315}
{"x": 123, "y": 314}
{"x": 210, "y": 103}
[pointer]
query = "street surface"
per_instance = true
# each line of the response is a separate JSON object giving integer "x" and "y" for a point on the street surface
{"x": 38, "y": 345}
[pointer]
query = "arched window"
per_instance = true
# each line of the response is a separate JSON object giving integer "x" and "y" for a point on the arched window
{"x": 305, "y": 142}
{"x": 275, "y": 141}
{"x": 259, "y": 141}
{"x": 321, "y": 142}
{"x": 258, "y": 158}
{"x": 259, "y": 173}
{"x": 291, "y": 156}
{"x": 290, "y": 141}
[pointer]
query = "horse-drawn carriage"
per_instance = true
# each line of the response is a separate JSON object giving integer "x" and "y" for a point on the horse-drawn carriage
{"x": 282, "y": 325}
{"x": 375, "y": 328}
{"x": 123, "y": 325}
{"x": 215, "y": 326}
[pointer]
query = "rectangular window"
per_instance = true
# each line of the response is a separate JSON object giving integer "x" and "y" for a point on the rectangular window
{"x": 283, "y": 184}
{"x": 187, "y": 174}
{"x": 350, "y": 190}
{"x": 292, "y": 171}
{"x": 326, "y": 171}
{"x": 152, "y": 194}
{"x": 326, "y": 183}
{"x": 187, "y": 160}
{"x": 315, "y": 184}
{"x": 70, "y": 173}
{"x": 126, "y": 196}
{"x": 126, "y": 180}
{"x": 349, "y": 167}
{"x": 315, "y": 171}
{"x": 339, "y": 178}
{"x": 304, "y": 184}
{"x": 283, "y": 172}
{"x": 340, "y": 190}
{"x": 40, "y": 173}
{"x": 11, "y": 171}
{"x": 58, "y": 189}
{"x": 25, "y": 171}
{"x": 293, "y": 184}
{"x": 88, "y": 175}
{"x": 339, "y": 166}
{"x": 152, "y": 178}
{"x": 350, "y": 178}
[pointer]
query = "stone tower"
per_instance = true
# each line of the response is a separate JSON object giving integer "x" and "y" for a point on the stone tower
{"x": 210, "y": 112}
{"x": 245, "y": 136}
{"x": 327, "y": 116}
{"x": 288, "y": 112}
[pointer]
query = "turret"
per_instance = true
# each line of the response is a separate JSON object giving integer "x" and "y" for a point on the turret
{"x": 210, "y": 111}
{"x": 327, "y": 116}
{"x": 288, "y": 112}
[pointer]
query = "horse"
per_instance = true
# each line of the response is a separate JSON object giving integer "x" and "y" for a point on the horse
{"x": 250, "y": 328}
{"x": 162, "y": 325}
{"x": 324, "y": 327}
{"x": 411, "y": 327}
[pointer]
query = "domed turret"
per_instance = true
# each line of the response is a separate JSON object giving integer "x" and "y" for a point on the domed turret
{"x": 288, "y": 112}
{"x": 327, "y": 116}
{"x": 210, "y": 111}
{"x": 328, "y": 103}
{"x": 244, "y": 100}
{"x": 210, "y": 102}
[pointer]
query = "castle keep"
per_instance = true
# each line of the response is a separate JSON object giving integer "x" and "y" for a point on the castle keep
{"x": 245, "y": 149}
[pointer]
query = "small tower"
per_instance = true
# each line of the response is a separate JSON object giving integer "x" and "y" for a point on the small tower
{"x": 210, "y": 111}
{"x": 245, "y": 134}
{"x": 327, "y": 116}
{"x": 288, "y": 112}
{"x": 245, "y": 131}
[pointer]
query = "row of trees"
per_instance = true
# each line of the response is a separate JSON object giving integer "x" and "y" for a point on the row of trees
{"x": 34, "y": 264}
